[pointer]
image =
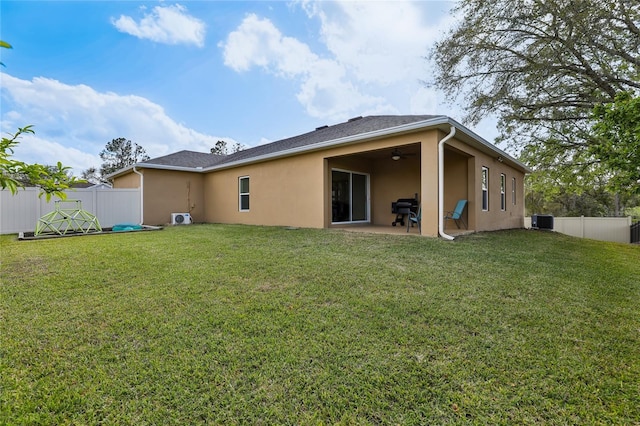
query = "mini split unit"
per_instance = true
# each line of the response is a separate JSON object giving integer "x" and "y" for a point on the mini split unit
{"x": 180, "y": 218}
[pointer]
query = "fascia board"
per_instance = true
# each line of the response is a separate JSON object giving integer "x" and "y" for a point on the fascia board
{"x": 154, "y": 166}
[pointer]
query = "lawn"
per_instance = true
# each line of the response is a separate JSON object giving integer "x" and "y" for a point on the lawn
{"x": 233, "y": 325}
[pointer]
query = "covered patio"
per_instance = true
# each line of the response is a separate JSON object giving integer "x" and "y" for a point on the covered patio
{"x": 363, "y": 186}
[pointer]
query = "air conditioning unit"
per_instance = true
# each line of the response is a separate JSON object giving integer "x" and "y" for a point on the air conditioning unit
{"x": 541, "y": 221}
{"x": 180, "y": 218}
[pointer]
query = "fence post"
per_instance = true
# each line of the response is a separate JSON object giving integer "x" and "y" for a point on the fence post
{"x": 38, "y": 203}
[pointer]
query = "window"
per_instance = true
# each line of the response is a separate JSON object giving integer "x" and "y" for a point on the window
{"x": 485, "y": 189}
{"x": 503, "y": 192}
{"x": 513, "y": 191}
{"x": 243, "y": 189}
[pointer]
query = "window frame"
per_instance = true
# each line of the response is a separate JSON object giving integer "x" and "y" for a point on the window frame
{"x": 246, "y": 194}
{"x": 484, "y": 184}
{"x": 503, "y": 192}
{"x": 367, "y": 194}
{"x": 513, "y": 191}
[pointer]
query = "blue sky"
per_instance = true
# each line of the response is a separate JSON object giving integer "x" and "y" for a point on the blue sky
{"x": 183, "y": 75}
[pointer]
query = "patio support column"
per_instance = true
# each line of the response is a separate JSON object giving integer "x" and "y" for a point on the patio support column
{"x": 429, "y": 184}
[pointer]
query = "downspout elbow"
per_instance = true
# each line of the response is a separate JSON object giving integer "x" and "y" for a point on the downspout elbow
{"x": 141, "y": 194}
{"x": 441, "y": 184}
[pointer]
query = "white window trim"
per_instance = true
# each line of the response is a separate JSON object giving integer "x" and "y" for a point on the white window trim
{"x": 503, "y": 192}
{"x": 368, "y": 189}
{"x": 485, "y": 188}
{"x": 241, "y": 194}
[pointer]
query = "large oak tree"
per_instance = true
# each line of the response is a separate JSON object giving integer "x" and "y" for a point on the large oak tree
{"x": 543, "y": 67}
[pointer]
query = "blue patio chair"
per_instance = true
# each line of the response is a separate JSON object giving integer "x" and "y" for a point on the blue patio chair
{"x": 456, "y": 214}
{"x": 415, "y": 218}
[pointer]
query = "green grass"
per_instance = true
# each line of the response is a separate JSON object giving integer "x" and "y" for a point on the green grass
{"x": 255, "y": 325}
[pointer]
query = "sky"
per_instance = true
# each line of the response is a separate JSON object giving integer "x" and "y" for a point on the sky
{"x": 182, "y": 75}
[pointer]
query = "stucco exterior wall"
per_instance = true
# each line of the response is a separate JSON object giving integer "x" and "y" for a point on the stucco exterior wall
{"x": 457, "y": 185}
{"x": 166, "y": 192}
{"x": 130, "y": 180}
{"x": 391, "y": 180}
{"x": 286, "y": 192}
{"x": 494, "y": 218}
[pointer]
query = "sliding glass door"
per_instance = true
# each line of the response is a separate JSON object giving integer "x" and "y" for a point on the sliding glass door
{"x": 349, "y": 197}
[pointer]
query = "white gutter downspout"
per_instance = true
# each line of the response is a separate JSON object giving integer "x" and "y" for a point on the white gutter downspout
{"x": 441, "y": 184}
{"x": 141, "y": 194}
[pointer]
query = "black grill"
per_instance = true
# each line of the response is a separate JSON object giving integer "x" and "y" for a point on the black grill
{"x": 402, "y": 208}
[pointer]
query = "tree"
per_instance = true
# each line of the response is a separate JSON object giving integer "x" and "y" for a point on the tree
{"x": 542, "y": 66}
{"x": 221, "y": 148}
{"x": 14, "y": 174}
{"x": 617, "y": 142}
{"x": 120, "y": 153}
{"x": 91, "y": 175}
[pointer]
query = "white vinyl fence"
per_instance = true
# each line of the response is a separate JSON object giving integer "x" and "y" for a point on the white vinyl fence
{"x": 20, "y": 212}
{"x": 616, "y": 229}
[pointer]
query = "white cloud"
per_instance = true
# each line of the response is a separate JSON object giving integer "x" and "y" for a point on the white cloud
{"x": 33, "y": 149}
{"x": 165, "y": 24}
{"x": 74, "y": 123}
{"x": 325, "y": 89}
{"x": 373, "y": 64}
{"x": 380, "y": 42}
{"x": 257, "y": 42}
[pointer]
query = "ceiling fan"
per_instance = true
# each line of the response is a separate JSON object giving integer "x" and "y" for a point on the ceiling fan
{"x": 396, "y": 154}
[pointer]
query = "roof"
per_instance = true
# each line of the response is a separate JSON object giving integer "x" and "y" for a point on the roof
{"x": 185, "y": 158}
{"x": 353, "y": 127}
{"x": 352, "y": 131}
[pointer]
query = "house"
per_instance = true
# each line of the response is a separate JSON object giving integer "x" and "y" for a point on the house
{"x": 341, "y": 175}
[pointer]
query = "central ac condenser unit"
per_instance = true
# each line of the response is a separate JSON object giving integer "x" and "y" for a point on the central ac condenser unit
{"x": 542, "y": 221}
{"x": 180, "y": 218}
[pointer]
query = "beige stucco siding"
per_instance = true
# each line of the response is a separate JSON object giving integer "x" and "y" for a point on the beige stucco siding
{"x": 429, "y": 184}
{"x": 288, "y": 192}
{"x": 391, "y": 180}
{"x": 129, "y": 180}
{"x": 495, "y": 218}
{"x": 166, "y": 192}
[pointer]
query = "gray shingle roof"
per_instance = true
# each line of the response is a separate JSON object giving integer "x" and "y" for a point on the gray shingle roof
{"x": 355, "y": 126}
{"x": 186, "y": 159}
